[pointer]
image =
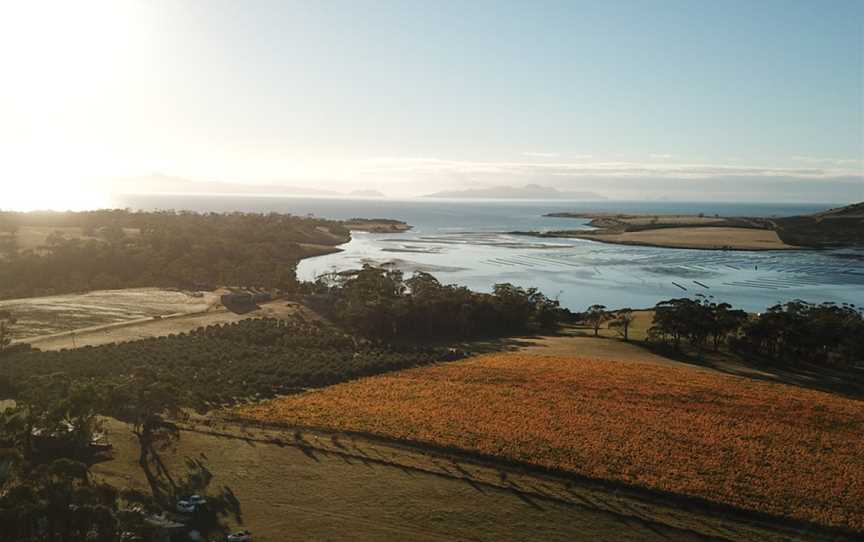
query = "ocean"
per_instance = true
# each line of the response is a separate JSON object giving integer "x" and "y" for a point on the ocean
{"x": 465, "y": 242}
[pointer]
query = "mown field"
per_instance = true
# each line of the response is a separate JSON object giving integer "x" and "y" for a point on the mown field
{"x": 755, "y": 445}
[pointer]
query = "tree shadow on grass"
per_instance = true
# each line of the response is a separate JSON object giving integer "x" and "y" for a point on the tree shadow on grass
{"x": 849, "y": 382}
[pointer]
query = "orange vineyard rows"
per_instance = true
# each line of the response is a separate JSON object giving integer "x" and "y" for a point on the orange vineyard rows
{"x": 756, "y": 445}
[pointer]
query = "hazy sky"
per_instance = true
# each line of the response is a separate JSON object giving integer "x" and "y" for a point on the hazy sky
{"x": 629, "y": 99}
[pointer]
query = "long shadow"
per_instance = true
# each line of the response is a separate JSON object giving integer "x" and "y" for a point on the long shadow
{"x": 510, "y": 344}
{"x": 307, "y": 449}
{"x": 473, "y": 484}
{"x": 695, "y": 505}
{"x": 849, "y": 383}
{"x": 527, "y": 500}
{"x": 310, "y": 453}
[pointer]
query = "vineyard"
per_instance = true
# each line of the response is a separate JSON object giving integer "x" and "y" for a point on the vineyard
{"x": 755, "y": 445}
{"x": 219, "y": 365}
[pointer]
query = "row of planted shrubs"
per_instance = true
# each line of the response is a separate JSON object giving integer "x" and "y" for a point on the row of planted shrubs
{"x": 224, "y": 364}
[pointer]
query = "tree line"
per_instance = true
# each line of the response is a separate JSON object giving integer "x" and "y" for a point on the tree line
{"x": 383, "y": 305}
{"x": 791, "y": 333}
{"x": 121, "y": 249}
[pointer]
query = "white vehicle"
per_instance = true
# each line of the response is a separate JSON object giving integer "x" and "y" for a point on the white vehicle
{"x": 186, "y": 507}
{"x": 239, "y": 536}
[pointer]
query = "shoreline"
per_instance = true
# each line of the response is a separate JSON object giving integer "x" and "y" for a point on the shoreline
{"x": 376, "y": 225}
{"x": 835, "y": 228}
{"x": 603, "y": 238}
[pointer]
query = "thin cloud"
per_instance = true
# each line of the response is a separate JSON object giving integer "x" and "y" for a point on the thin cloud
{"x": 660, "y": 156}
{"x": 541, "y": 154}
{"x": 420, "y": 168}
{"x": 833, "y": 161}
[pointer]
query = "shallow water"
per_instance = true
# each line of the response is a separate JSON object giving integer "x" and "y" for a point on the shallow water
{"x": 462, "y": 242}
{"x": 580, "y": 273}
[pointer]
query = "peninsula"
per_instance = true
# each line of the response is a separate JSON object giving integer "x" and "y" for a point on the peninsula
{"x": 840, "y": 227}
{"x": 376, "y": 225}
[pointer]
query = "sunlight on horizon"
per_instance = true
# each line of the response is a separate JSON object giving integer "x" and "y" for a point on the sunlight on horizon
{"x": 54, "y": 198}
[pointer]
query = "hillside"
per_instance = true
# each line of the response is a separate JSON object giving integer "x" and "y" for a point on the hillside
{"x": 840, "y": 227}
{"x": 54, "y": 253}
{"x": 843, "y": 226}
{"x": 753, "y": 445}
{"x": 853, "y": 210}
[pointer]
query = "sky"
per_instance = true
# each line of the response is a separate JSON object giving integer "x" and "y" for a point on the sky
{"x": 686, "y": 100}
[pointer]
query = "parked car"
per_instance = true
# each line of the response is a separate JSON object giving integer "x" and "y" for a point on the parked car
{"x": 190, "y": 504}
{"x": 239, "y": 536}
{"x": 197, "y": 500}
{"x": 186, "y": 507}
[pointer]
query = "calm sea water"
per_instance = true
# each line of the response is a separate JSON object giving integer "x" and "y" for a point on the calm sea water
{"x": 465, "y": 242}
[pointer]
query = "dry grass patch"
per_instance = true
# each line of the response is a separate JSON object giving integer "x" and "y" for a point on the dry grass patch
{"x": 697, "y": 237}
{"x": 757, "y": 445}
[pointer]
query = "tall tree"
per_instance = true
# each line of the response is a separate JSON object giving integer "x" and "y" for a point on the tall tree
{"x": 596, "y": 316}
{"x": 147, "y": 404}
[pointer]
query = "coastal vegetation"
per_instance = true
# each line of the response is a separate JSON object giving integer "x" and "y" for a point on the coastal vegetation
{"x": 791, "y": 334}
{"x": 755, "y": 445}
{"x": 383, "y": 305}
{"x": 123, "y": 249}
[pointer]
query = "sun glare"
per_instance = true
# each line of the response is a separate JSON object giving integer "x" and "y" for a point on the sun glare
{"x": 54, "y": 198}
{"x": 60, "y": 124}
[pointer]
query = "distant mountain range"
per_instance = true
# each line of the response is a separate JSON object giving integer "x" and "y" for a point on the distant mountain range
{"x": 529, "y": 191}
{"x": 164, "y": 184}
{"x": 366, "y": 194}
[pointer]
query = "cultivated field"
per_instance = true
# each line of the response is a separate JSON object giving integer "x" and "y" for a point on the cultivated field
{"x": 137, "y": 330}
{"x": 755, "y": 445}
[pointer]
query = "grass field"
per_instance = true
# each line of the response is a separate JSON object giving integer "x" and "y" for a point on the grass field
{"x": 352, "y": 489}
{"x": 755, "y": 445}
{"x": 696, "y": 237}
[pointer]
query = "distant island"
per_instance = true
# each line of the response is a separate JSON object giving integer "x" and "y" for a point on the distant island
{"x": 366, "y": 194}
{"x": 529, "y": 191}
{"x": 840, "y": 227}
